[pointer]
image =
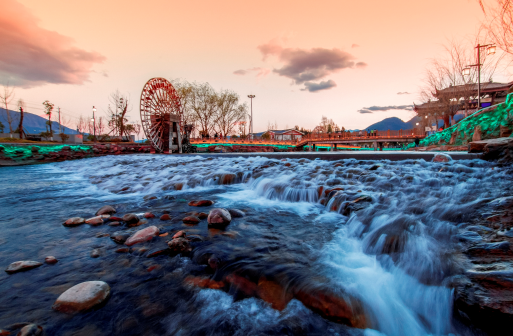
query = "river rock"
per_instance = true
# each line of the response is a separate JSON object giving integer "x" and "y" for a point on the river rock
{"x": 201, "y": 203}
{"x": 20, "y": 266}
{"x": 114, "y": 223}
{"x": 179, "y": 234}
{"x": 227, "y": 179}
{"x": 219, "y": 218}
{"x": 179, "y": 245}
{"x": 106, "y": 210}
{"x": 165, "y": 217}
{"x": 335, "y": 307}
{"x": 82, "y": 297}
{"x": 98, "y": 220}
{"x": 120, "y": 237}
{"x": 143, "y": 235}
{"x": 440, "y": 157}
{"x": 51, "y": 260}
{"x": 191, "y": 220}
{"x": 235, "y": 213}
{"x": 95, "y": 253}
{"x": 274, "y": 293}
{"x": 202, "y": 215}
{"x": 4, "y": 332}
{"x": 31, "y": 330}
{"x": 149, "y": 215}
{"x": 158, "y": 251}
{"x": 131, "y": 219}
{"x": 74, "y": 221}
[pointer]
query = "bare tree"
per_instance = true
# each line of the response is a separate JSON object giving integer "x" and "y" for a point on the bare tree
{"x": 499, "y": 22}
{"x": 6, "y": 97}
{"x": 185, "y": 92}
{"x": 100, "y": 126}
{"x": 229, "y": 112}
{"x": 81, "y": 124}
{"x": 271, "y": 126}
{"x": 204, "y": 106}
{"x": 117, "y": 111}
{"x": 327, "y": 125}
{"x": 446, "y": 89}
{"x": 21, "y": 107}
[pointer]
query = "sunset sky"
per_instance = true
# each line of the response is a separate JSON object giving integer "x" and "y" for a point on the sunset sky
{"x": 302, "y": 59}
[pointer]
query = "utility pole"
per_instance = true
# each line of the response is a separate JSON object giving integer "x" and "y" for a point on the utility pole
{"x": 490, "y": 50}
{"x": 251, "y": 122}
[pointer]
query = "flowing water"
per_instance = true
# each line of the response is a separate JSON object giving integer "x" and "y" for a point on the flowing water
{"x": 384, "y": 237}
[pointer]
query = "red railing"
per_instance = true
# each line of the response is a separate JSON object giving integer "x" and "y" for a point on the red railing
{"x": 357, "y": 135}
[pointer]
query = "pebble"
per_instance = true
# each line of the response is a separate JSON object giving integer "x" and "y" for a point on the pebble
{"x": 149, "y": 215}
{"x": 219, "y": 218}
{"x": 191, "y": 220}
{"x": 82, "y": 297}
{"x": 95, "y": 253}
{"x": 165, "y": 217}
{"x": 179, "y": 234}
{"x": 235, "y": 213}
{"x": 74, "y": 221}
{"x": 114, "y": 223}
{"x": 19, "y": 266}
{"x": 106, "y": 210}
{"x": 51, "y": 260}
{"x": 131, "y": 218}
{"x": 143, "y": 235}
{"x": 31, "y": 330}
{"x": 179, "y": 245}
{"x": 123, "y": 250}
{"x": 98, "y": 220}
{"x": 201, "y": 203}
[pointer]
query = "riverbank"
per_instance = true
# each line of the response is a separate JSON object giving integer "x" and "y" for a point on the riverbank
{"x": 20, "y": 154}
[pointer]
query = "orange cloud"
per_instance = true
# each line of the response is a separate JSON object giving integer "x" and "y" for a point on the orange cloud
{"x": 260, "y": 72}
{"x": 307, "y": 65}
{"x": 33, "y": 56}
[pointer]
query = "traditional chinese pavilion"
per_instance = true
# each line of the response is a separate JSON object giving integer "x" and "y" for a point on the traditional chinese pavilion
{"x": 462, "y": 100}
{"x": 288, "y": 134}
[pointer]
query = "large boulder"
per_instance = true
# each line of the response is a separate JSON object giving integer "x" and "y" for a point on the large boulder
{"x": 106, "y": 210}
{"x": 142, "y": 236}
{"x": 82, "y": 297}
{"x": 20, "y": 266}
{"x": 219, "y": 218}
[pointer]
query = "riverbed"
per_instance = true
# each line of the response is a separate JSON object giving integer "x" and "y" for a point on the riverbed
{"x": 380, "y": 234}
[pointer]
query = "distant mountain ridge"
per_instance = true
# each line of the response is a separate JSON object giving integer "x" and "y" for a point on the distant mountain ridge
{"x": 395, "y": 124}
{"x": 33, "y": 124}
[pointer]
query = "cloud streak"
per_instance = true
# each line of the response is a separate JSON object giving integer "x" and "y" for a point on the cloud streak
{"x": 33, "y": 56}
{"x": 403, "y": 93}
{"x": 373, "y": 109}
{"x": 314, "y": 87}
{"x": 260, "y": 72}
{"x": 304, "y": 66}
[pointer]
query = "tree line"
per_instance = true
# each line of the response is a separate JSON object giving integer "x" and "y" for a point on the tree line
{"x": 211, "y": 112}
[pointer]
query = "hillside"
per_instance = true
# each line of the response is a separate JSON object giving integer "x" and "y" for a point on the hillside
{"x": 396, "y": 124}
{"x": 33, "y": 124}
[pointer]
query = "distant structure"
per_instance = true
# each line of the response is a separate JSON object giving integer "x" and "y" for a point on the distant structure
{"x": 288, "y": 134}
{"x": 460, "y": 99}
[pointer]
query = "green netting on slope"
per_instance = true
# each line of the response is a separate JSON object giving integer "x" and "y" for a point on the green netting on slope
{"x": 26, "y": 151}
{"x": 490, "y": 119}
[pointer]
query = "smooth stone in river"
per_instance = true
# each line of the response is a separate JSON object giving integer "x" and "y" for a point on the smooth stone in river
{"x": 51, "y": 260}
{"x": 82, "y": 297}
{"x": 142, "y": 236}
{"x": 219, "y": 218}
{"x": 74, "y": 221}
{"x": 19, "y": 266}
{"x": 31, "y": 330}
{"x": 106, "y": 210}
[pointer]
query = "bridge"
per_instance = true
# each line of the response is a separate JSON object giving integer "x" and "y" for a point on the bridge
{"x": 331, "y": 141}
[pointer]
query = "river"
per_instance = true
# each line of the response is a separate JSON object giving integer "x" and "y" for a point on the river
{"x": 385, "y": 238}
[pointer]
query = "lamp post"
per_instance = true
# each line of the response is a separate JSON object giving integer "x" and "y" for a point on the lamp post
{"x": 490, "y": 50}
{"x": 251, "y": 126}
{"x": 94, "y": 124}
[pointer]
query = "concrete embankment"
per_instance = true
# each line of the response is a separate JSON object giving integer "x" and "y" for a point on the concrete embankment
{"x": 27, "y": 154}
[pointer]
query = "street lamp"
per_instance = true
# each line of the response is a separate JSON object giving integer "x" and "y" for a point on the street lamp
{"x": 94, "y": 123}
{"x": 251, "y": 127}
{"x": 490, "y": 50}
